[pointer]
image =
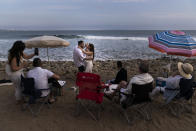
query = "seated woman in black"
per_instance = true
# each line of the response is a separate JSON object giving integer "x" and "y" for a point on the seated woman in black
{"x": 121, "y": 75}
{"x": 179, "y": 85}
{"x": 186, "y": 83}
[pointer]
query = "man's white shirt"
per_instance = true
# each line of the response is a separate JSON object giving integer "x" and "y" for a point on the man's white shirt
{"x": 41, "y": 78}
{"x": 78, "y": 57}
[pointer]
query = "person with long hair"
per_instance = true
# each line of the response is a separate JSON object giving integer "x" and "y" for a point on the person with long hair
{"x": 90, "y": 54}
{"x": 15, "y": 65}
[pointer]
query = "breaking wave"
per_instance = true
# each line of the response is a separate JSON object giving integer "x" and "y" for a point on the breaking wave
{"x": 114, "y": 38}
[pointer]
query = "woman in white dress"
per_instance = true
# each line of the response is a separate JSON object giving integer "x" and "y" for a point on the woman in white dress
{"x": 15, "y": 65}
{"x": 89, "y": 51}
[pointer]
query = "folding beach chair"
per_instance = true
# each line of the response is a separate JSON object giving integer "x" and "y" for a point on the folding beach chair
{"x": 183, "y": 101}
{"x": 89, "y": 91}
{"x": 194, "y": 88}
{"x": 139, "y": 100}
{"x": 33, "y": 95}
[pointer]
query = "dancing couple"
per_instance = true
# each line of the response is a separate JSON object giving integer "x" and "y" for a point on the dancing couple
{"x": 83, "y": 56}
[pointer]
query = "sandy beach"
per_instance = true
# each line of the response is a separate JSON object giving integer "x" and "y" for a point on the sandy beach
{"x": 60, "y": 116}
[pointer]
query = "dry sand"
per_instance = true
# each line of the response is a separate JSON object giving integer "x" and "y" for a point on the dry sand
{"x": 60, "y": 116}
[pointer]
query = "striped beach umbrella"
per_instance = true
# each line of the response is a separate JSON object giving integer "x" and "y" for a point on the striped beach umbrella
{"x": 173, "y": 43}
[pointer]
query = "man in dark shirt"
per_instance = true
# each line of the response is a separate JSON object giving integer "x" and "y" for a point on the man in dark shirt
{"x": 121, "y": 75}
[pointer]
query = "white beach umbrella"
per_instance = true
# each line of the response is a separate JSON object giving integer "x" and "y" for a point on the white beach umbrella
{"x": 46, "y": 42}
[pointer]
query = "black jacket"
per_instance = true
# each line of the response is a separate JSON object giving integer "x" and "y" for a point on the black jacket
{"x": 186, "y": 88}
{"x": 121, "y": 76}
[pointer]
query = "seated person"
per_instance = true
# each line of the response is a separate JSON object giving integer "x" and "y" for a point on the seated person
{"x": 121, "y": 75}
{"x": 41, "y": 77}
{"x": 179, "y": 84}
{"x": 141, "y": 79}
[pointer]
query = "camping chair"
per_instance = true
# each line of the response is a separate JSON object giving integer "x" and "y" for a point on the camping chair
{"x": 182, "y": 101}
{"x": 32, "y": 95}
{"x": 139, "y": 100}
{"x": 178, "y": 105}
{"x": 89, "y": 91}
{"x": 194, "y": 88}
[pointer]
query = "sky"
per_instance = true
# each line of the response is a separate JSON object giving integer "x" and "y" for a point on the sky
{"x": 98, "y": 14}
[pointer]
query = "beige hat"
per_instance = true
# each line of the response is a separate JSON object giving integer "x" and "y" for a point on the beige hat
{"x": 185, "y": 70}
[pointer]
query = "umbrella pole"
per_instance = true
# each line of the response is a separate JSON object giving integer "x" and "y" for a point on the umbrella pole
{"x": 47, "y": 55}
{"x": 170, "y": 63}
{"x": 171, "y": 59}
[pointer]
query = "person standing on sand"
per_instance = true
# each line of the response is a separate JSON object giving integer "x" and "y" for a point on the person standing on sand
{"x": 14, "y": 68}
{"x": 79, "y": 57}
{"x": 89, "y": 52}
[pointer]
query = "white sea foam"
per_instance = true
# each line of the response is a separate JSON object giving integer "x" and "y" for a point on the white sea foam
{"x": 4, "y": 40}
{"x": 118, "y": 38}
{"x": 115, "y": 38}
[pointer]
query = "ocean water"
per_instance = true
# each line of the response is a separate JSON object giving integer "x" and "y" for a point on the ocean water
{"x": 109, "y": 44}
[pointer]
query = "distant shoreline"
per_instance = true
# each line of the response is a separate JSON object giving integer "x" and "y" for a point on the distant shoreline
{"x": 105, "y": 60}
{"x": 157, "y": 30}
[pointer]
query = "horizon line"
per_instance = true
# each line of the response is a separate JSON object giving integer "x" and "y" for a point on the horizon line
{"x": 94, "y": 29}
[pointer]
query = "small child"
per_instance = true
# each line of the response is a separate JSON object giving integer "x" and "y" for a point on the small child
{"x": 123, "y": 89}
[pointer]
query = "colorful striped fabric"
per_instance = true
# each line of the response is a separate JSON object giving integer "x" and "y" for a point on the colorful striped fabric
{"x": 173, "y": 43}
